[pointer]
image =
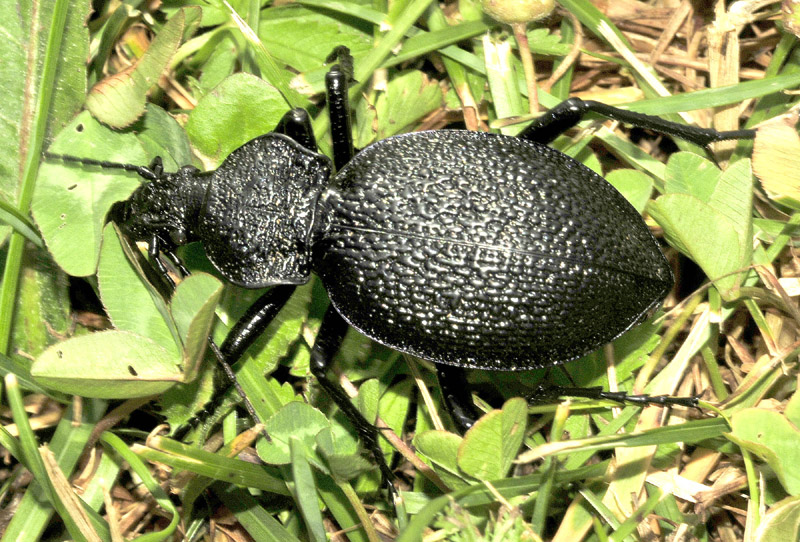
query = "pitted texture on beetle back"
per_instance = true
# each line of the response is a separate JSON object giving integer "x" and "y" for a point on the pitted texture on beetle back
{"x": 485, "y": 251}
{"x": 258, "y": 213}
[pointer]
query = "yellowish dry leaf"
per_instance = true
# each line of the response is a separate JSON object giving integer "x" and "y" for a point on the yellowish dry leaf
{"x": 776, "y": 159}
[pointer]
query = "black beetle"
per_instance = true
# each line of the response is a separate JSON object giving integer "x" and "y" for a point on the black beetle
{"x": 468, "y": 249}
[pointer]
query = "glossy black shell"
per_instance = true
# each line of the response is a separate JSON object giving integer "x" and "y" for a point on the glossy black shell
{"x": 484, "y": 251}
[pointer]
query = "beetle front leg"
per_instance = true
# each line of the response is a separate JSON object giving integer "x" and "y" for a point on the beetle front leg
{"x": 329, "y": 338}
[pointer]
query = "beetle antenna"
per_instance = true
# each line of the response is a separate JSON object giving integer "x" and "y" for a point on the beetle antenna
{"x": 143, "y": 171}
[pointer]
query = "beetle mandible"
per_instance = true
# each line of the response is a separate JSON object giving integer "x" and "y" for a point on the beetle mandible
{"x": 468, "y": 249}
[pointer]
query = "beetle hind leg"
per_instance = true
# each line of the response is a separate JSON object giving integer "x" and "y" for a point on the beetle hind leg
{"x": 329, "y": 339}
{"x": 554, "y": 392}
{"x": 570, "y": 112}
{"x": 457, "y": 396}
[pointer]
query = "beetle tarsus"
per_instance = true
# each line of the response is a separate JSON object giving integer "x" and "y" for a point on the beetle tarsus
{"x": 342, "y": 56}
{"x": 553, "y": 392}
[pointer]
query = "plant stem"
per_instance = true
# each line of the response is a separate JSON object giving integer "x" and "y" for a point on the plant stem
{"x": 527, "y": 65}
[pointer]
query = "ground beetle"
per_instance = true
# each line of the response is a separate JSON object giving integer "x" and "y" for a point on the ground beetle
{"x": 468, "y": 249}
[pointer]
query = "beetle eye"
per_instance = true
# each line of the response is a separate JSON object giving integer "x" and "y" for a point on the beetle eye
{"x": 178, "y": 237}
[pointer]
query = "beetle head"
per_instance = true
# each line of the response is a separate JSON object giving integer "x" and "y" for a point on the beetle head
{"x": 165, "y": 208}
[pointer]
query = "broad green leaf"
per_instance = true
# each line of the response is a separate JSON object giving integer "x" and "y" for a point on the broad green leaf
{"x": 701, "y": 233}
{"x": 241, "y": 108}
{"x": 544, "y": 42}
{"x": 303, "y": 38}
{"x": 339, "y": 452}
{"x": 733, "y": 198}
{"x": 774, "y": 438}
{"x": 294, "y": 420}
{"x": 192, "y": 307}
{"x": 792, "y": 411}
{"x": 161, "y": 135}
{"x": 689, "y": 173}
{"x": 491, "y": 445}
{"x": 706, "y": 214}
{"x": 220, "y": 64}
{"x": 781, "y": 522}
{"x": 366, "y": 124}
{"x": 131, "y": 304}
{"x": 368, "y": 395}
{"x": 71, "y": 201}
{"x": 108, "y": 364}
{"x": 42, "y": 312}
{"x": 633, "y": 184}
{"x": 185, "y": 400}
{"x": 441, "y": 449}
{"x": 393, "y": 408}
{"x": 407, "y": 99}
{"x": 119, "y": 99}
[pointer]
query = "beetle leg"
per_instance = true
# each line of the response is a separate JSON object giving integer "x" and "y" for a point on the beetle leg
{"x": 329, "y": 338}
{"x": 154, "y": 251}
{"x": 457, "y": 396}
{"x": 339, "y": 108}
{"x": 334, "y": 327}
{"x": 297, "y": 125}
{"x": 255, "y": 321}
{"x": 618, "y": 396}
{"x": 177, "y": 262}
{"x": 568, "y": 113}
{"x": 243, "y": 334}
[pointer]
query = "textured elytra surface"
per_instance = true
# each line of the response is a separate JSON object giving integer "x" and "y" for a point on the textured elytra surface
{"x": 485, "y": 251}
{"x": 258, "y": 212}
